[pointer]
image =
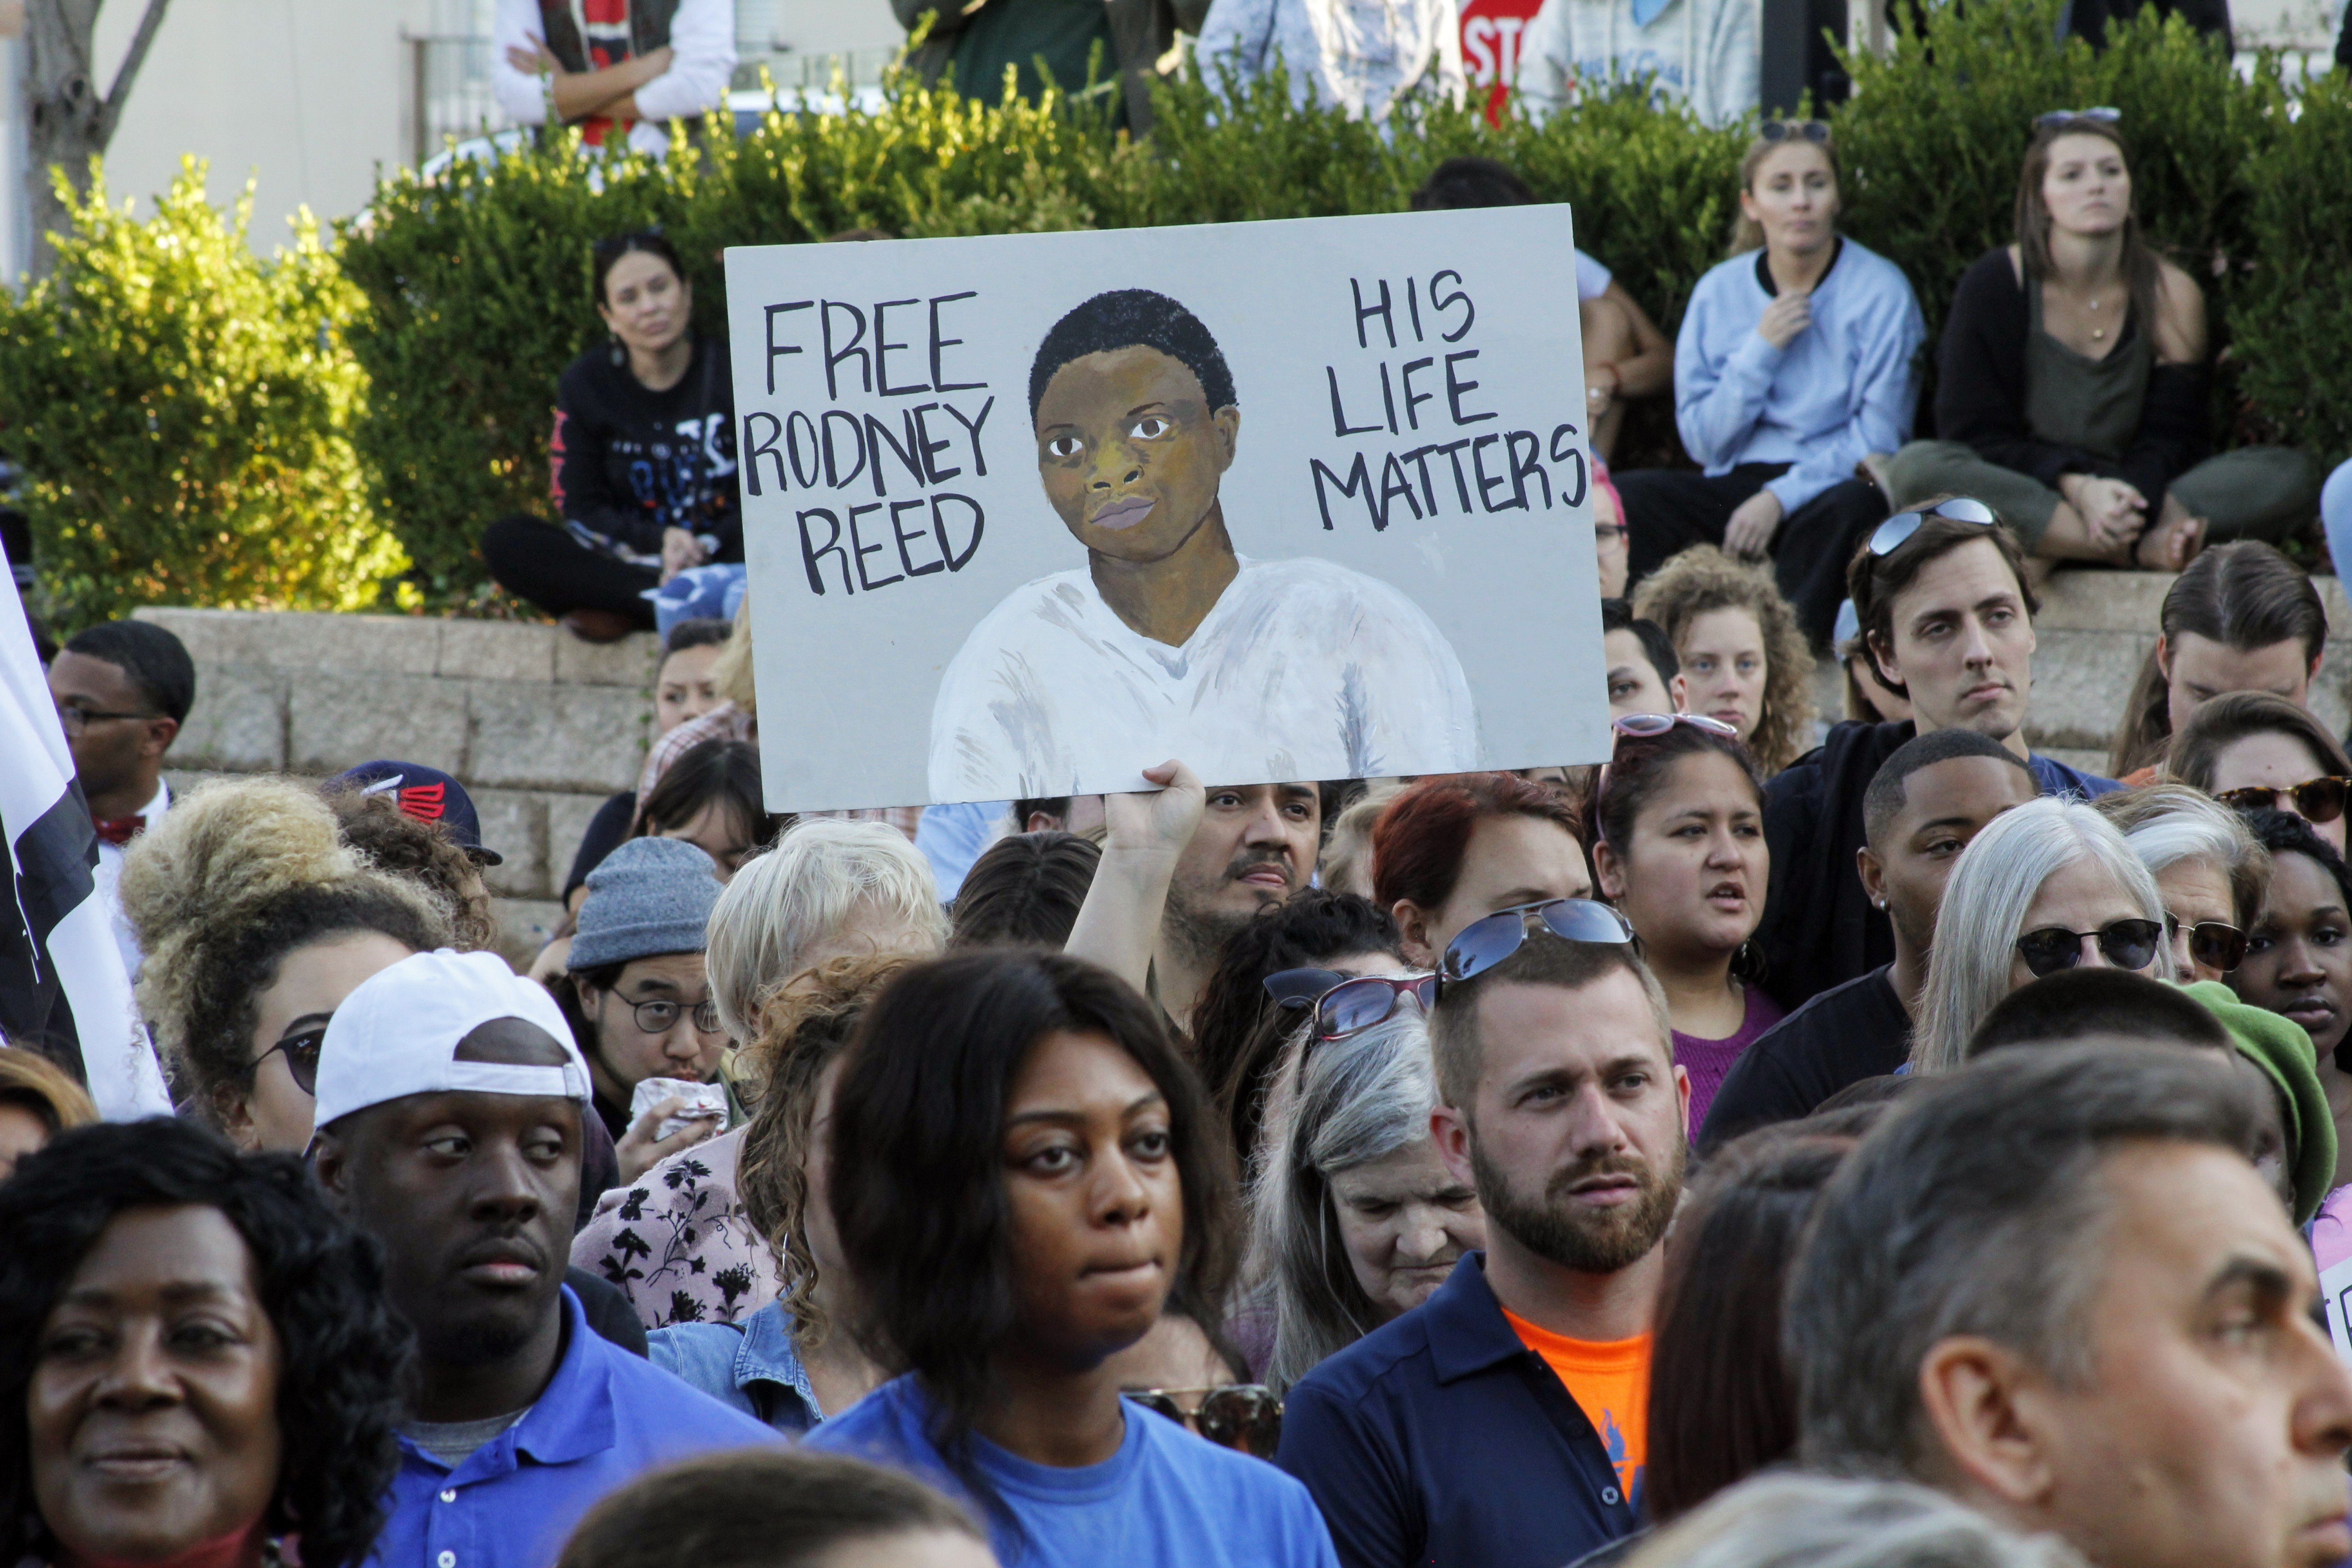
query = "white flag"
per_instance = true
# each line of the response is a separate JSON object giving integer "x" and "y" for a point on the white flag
{"x": 63, "y": 988}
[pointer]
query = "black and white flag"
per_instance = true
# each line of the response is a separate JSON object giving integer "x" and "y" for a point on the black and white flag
{"x": 63, "y": 988}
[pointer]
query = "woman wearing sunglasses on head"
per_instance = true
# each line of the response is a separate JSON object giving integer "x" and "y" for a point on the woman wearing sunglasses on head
{"x": 1024, "y": 1173}
{"x": 1356, "y": 1219}
{"x": 1794, "y": 366}
{"x": 2298, "y": 959}
{"x": 2071, "y": 388}
{"x": 1678, "y": 842}
{"x": 2253, "y": 751}
{"x": 258, "y": 920}
{"x": 2208, "y": 871}
{"x": 2047, "y": 886}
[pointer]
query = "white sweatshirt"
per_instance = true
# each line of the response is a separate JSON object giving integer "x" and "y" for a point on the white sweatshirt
{"x": 702, "y": 50}
{"x": 1702, "y": 51}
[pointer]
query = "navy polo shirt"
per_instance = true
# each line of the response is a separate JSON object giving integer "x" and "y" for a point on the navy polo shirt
{"x": 1441, "y": 1438}
{"x": 605, "y": 1418}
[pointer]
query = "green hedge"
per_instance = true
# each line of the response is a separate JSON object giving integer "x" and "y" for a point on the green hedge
{"x": 475, "y": 283}
{"x": 184, "y": 412}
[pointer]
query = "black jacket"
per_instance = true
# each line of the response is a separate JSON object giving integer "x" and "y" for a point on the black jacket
{"x": 1981, "y": 394}
{"x": 1818, "y": 929}
{"x": 1142, "y": 36}
{"x": 629, "y": 462}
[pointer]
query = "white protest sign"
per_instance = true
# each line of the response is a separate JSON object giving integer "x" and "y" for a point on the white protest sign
{"x": 1295, "y": 501}
{"x": 2336, "y": 1295}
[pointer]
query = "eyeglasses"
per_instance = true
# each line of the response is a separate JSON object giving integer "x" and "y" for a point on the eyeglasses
{"x": 1646, "y": 726}
{"x": 659, "y": 1016}
{"x": 2127, "y": 944}
{"x": 2211, "y": 943}
{"x": 1794, "y": 129}
{"x": 2103, "y": 114}
{"x": 1890, "y": 535}
{"x": 75, "y": 719}
{"x": 2315, "y": 800}
{"x": 301, "y": 1053}
{"x": 1484, "y": 944}
{"x": 1244, "y": 1416}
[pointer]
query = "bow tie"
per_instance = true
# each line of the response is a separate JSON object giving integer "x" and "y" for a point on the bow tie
{"x": 119, "y": 830}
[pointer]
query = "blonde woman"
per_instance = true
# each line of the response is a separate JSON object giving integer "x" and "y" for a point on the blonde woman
{"x": 1794, "y": 366}
{"x": 1743, "y": 657}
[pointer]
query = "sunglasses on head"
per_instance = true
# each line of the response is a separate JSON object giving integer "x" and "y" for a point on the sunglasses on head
{"x": 1484, "y": 944}
{"x": 2315, "y": 800}
{"x": 2211, "y": 943}
{"x": 1648, "y": 726}
{"x": 1891, "y": 535}
{"x": 2103, "y": 114}
{"x": 301, "y": 1053}
{"x": 1794, "y": 130}
{"x": 2127, "y": 944}
{"x": 1242, "y": 1416}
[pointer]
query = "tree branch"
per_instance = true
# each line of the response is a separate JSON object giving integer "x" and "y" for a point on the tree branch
{"x": 119, "y": 93}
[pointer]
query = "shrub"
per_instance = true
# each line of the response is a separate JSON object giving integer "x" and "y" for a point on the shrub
{"x": 184, "y": 413}
{"x": 2293, "y": 327}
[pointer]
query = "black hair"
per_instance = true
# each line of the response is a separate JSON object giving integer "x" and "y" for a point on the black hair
{"x": 608, "y": 253}
{"x": 1133, "y": 318}
{"x": 1472, "y": 182}
{"x": 917, "y": 1163}
{"x": 1882, "y": 803}
{"x": 1640, "y": 768}
{"x": 1025, "y": 890}
{"x": 1617, "y": 615}
{"x": 1237, "y": 1030}
{"x": 2284, "y": 833}
{"x": 718, "y": 769}
{"x": 1056, "y": 806}
{"x": 2081, "y": 1003}
{"x": 156, "y": 662}
{"x": 700, "y": 631}
{"x": 342, "y": 1354}
{"x": 757, "y": 1507}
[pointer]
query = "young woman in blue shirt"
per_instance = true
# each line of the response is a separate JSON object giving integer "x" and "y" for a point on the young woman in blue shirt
{"x": 1795, "y": 362}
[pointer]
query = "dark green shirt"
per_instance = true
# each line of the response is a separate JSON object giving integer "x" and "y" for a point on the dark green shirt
{"x": 1022, "y": 33}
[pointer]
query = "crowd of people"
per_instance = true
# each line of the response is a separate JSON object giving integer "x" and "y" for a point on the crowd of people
{"x": 1786, "y": 1144}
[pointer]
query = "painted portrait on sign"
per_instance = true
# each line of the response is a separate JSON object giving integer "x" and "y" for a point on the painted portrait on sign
{"x": 1161, "y": 639}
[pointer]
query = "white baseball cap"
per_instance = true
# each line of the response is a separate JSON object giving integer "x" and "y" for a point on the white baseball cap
{"x": 397, "y": 1034}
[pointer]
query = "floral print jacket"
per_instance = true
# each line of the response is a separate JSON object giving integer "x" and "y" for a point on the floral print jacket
{"x": 678, "y": 1244}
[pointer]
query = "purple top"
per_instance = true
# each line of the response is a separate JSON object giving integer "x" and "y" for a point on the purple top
{"x": 1707, "y": 1061}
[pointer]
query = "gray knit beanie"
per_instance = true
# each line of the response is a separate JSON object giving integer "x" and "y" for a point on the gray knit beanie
{"x": 651, "y": 896}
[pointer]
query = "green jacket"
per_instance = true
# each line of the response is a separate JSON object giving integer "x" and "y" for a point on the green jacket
{"x": 1143, "y": 38}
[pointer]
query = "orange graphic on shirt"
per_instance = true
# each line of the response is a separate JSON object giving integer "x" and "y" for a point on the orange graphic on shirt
{"x": 1610, "y": 1380}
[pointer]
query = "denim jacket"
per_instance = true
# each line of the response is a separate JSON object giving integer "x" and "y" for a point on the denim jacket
{"x": 752, "y": 1366}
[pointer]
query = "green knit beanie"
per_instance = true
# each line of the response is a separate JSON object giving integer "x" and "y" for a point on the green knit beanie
{"x": 2283, "y": 1049}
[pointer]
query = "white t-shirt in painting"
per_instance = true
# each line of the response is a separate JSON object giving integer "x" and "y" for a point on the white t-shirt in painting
{"x": 1303, "y": 670}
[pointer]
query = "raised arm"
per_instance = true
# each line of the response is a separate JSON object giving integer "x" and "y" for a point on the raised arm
{"x": 1118, "y": 923}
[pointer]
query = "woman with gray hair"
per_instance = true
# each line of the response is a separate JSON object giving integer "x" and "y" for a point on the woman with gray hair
{"x": 1357, "y": 1220}
{"x": 2210, "y": 871}
{"x": 2049, "y": 885}
{"x": 1789, "y": 1520}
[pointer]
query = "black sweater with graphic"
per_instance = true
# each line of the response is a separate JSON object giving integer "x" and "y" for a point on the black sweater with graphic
{"x": 629, "y": 462}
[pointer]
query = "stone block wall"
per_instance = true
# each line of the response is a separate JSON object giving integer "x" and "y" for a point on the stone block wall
{"x": 537, "y": 725}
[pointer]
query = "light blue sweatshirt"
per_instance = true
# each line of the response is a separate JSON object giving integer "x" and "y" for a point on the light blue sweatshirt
{"x": 1844, "y": 387}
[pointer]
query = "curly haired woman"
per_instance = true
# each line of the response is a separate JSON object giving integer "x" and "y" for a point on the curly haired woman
{"x": 1743, "y": 655}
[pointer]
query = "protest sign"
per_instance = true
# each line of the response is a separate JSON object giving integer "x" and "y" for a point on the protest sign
{"x": 1027, "y": 515}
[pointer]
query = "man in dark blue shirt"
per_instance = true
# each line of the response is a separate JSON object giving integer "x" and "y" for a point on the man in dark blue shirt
{"x": 450, "y": 1098}
{"x": 1504, "y": 1422}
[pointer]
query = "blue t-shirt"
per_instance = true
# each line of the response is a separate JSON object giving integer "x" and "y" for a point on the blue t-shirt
{"x": 1166, "y": 1500}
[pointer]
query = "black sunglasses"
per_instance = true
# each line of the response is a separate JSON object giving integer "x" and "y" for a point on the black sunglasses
{"x": 2315, "y": 800}
{"x": 2127, "y": 944}
{"x": 1242, "y": 1416}
{"x": 2211, "y": 943}
{"x": 1484, "y": 944}
{"x": 1889, "y": 536}
{"x": 301, "y": 1052}
{"x": 1794, "y": 129}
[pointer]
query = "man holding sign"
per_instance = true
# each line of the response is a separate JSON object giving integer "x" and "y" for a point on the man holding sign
{"x": 1168, "y": 640}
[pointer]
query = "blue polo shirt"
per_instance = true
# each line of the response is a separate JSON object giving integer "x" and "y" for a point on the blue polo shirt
{"x": 1441, "y": 1438}
{"x": 605, "y": 1417}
